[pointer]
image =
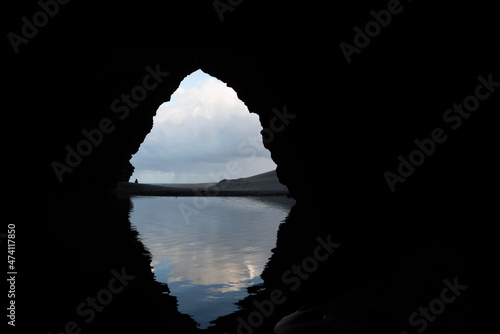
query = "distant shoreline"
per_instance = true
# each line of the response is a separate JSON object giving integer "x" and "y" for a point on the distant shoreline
{"x": 140, "y": 189}
{"x": 265, "y": 184}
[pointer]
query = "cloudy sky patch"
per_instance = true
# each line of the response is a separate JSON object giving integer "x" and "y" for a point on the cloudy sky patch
{"x": 204, "y": 134}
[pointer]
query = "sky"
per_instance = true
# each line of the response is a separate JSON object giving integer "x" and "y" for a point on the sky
{"x": 203, "y": 134}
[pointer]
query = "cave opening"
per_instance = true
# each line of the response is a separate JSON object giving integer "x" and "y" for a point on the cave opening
{"x": 202, "y": 135}
{"x": 207, "y": 249}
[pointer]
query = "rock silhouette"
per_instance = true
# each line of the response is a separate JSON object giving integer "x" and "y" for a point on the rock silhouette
{"x": 84, "y": 86}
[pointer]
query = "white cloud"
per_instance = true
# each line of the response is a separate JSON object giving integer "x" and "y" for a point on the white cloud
{"x": 198, "y": 132}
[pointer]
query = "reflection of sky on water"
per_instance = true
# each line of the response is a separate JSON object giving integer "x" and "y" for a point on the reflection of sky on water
{"x": 208, "y": 262}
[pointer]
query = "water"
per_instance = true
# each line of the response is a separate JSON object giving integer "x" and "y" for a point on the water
{"x": 208, "y": 249}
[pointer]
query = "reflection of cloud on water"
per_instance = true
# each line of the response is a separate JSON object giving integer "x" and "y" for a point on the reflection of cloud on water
{"x": 216, "y": 264}
{"x": 214, "y": 297}
{"x": 214, "y": 258}
{"x": 232, "y": 269}
{"x": 229, "y": 287}
{"x": 228, "y": 243}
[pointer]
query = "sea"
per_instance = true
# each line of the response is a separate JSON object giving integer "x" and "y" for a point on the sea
{"x": 209, "y": 250}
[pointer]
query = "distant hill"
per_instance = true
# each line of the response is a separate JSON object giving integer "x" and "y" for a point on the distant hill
{"x": 265, "y": 184}
{"x": 261, "y": 182}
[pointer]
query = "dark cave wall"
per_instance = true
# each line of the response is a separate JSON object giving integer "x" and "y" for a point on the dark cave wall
{"x": 350, "y": 121}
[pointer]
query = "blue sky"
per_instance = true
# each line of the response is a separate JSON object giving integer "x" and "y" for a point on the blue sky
{"x": 203, "y": 134}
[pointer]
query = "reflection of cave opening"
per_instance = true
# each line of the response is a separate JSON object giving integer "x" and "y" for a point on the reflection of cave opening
{"x": 207, "y": 249}
{"x": 209, "y": 262}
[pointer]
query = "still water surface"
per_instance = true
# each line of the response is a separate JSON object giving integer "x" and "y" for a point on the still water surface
{"x": 208, "y": 249}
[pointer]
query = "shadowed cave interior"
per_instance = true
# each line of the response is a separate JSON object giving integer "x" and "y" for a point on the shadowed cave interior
{"x": 344, "y": 126}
